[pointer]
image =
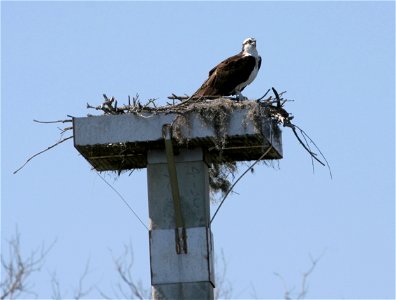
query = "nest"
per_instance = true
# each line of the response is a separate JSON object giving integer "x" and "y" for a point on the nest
{"x": 215, "y": 113}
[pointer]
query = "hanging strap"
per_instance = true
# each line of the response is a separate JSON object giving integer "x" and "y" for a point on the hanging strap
{"x": 180, "y": 231}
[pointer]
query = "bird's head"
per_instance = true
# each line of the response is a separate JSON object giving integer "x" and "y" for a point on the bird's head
{"x": 249, "y": 46}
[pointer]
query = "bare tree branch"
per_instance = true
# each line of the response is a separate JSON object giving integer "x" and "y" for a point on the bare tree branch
{"x": 17, "y": 269}
{"x": 286, "y": 296}
{"x": 80, "y": 292}
{"x": 56, "y": 293}
{"x": 304, "y": 286}
{"x": 223, "y": 288}
{"x": 128, "y": 287}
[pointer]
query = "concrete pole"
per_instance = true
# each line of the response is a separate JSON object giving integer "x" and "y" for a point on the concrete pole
{"x": 181, "y": 244}
{"x": 181, "y": 258}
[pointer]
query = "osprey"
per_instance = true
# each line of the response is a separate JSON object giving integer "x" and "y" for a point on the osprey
{"x": 232, "y": 75}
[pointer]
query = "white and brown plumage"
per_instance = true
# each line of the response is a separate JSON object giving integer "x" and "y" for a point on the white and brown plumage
{"x": 232, "y": 75}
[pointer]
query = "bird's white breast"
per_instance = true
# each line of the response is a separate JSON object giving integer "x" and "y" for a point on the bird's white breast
{"x": 252, "y": 75}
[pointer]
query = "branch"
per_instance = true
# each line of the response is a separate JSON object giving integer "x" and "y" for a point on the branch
{"x": 271, "y": 100}
{"x": 63, "y": 130}
{"x": 197, "y": 98}
{"x": 287, "y": 123}
{"x": 56, "y": 293}
{"x": 306, "y": 135}
{"x": 309, "y": 148}
{"x": 175, "y": 97}
{"x": 50, "y": 147}
{"x": 287, "y": 290}
{"x": 313, "y": 155}
{"x": 304, "y": 288}
{"x": 17, "y": 269}
{"x": 134, "y": 107}
{"x": 80, "y": 293}
{"x": 124, "y": 266}
{"x": 50, "y": 122}
{"x": 223, "y": 289}
{"x": 261, "y": 98}
{"x": 271, "y": 107}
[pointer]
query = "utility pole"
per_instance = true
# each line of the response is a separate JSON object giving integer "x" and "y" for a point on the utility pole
{"x": 181, "y": 241}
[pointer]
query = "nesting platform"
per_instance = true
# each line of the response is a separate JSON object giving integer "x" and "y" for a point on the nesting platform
{"x": 121, "y": 142}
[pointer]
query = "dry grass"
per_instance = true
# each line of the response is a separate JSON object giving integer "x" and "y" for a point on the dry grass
{"x": 214, "y": 113}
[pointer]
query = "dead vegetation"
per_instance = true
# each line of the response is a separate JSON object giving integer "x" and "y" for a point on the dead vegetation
{"x": 215, "y": 113}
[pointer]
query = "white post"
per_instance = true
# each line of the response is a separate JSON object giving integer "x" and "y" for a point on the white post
{"x": 181, "y": 244}
{"x": 181, "y": 258}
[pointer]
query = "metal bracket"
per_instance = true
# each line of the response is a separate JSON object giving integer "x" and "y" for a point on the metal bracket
{"x": 180, "y": 231}
{"x": 181, "y": 240}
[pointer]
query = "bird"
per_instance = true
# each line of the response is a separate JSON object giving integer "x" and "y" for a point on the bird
{"x": 233, "y": 74}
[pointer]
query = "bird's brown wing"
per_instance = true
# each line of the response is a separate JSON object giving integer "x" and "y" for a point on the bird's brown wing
{"x": 226, "y": 76}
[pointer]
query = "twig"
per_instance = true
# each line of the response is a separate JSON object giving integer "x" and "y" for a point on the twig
{"x": 327, "y": 163}
{"x": 196, "y": 98}
{"x": 174, "y": 97}
{"x": 304, "y": 289}
{"x": 151, "y": 101}
{"x": 272, "y": 106}
{"x": 312, "y": 161}
{"x": 18, "y": 268}
{"x": 263, "y": 95}
{"x": 278, "y": 100}
{"x": 124, "y": 266}
{"x": 63, "y": 130}
{"x": 49, "y": 122}
{"x": 287, "y": 290}
{"x": 305, "y": 135}
{"x": 80, "y": 292}
{"x": 223, "y": 289}
{"x": 56, "y": 292}
{"x": 313, "y": 155}
{"x": 50, "y": 147}
{"x": 306, "y": 274}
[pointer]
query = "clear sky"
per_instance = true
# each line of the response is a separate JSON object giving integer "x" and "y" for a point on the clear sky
{"x": 335, "y": 59}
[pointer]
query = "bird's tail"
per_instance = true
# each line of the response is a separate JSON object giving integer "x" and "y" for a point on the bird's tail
{"x": 206, "y": 90}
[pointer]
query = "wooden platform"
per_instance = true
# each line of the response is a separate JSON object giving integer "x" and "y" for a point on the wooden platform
{"x": 121, "y": 142}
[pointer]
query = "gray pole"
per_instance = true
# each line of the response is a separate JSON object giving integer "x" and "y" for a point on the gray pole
{"x": 181, "y": 244}
{"x": 181, "y": 263}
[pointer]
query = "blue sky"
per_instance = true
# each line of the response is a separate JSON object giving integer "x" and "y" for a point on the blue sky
{"x": 335, "y": 59}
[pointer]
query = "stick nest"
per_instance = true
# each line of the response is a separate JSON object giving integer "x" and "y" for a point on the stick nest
{"x": 214, "y": 112}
